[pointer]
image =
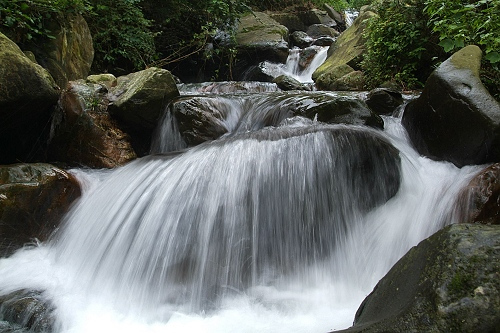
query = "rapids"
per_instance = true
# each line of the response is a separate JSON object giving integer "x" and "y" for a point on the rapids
{"x": 266, "y": 231}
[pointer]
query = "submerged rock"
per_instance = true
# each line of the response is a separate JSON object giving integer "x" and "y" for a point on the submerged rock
{"x": 27, "y": 95}
{"x": 27, "y": 309}
{"x": 33, "y": 199}
{"x": 264, "y": 203}
{"x": 83, "y": 133}
{"x": 450, "y": 282}
{"x": 202, "y": 118}
{"x": 455, "y": 119}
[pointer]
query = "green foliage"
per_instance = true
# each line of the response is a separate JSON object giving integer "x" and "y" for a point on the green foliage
{"x": 283, "y": 4}
{"x": 463, "y": 22}
{"x": 357, "y": 4}
{"x": 122, "y": 38}
{"x": 397, "y": 43}
{"x": 25, "y": 20}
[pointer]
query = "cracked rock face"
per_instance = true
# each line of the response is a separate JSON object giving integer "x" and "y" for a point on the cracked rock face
{"x": 456, "y": 119}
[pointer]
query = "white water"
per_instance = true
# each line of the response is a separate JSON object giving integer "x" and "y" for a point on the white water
{"x": 293, "y": 69}
{"x": 97, "y": 284}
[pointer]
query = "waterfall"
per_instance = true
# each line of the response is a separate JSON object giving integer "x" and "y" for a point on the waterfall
{"x": 273, "y": 229}
{"x": 294, "y": 67}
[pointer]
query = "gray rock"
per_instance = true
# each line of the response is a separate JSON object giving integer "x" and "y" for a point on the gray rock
{"x": 317, "y": 16}
{"x": 321, "y": 30}
{"x": 286, "y": 82}
{"x": 450, "y": 282}
{"x": 301, "y": 39}
{"x": 456, "y": 119}
{"x": 384, "y": 101}
{"x": 260, "y": 38}
{"x": 138, "y": 100}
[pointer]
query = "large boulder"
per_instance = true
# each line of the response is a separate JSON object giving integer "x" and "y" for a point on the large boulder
{"x": 27, "y": 95}
{"x": 70, "y": 54}
{"x": 448, "y": 283}
{"x": 204, "y": 118}
{"x": 348, "y": 48}
{"x": 258, "y": 38}
{"x": 33, "y": 199}
{"x": 83, "y": 133}
{"x": 137, "y": 102}
{"x": 317, "y": 16}
{"x": 479, "y": 201}
{"x": 455, "y": 118}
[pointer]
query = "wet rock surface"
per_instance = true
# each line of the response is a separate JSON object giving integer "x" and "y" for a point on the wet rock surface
{"x": 450, "y": 282}
{"x": 455, "y": 119}
{"x": 83, "y": 133}
{"x": 33, "y": 199}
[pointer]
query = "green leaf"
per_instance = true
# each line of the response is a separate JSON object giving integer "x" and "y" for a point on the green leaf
{"x": 493, "y": 57}
{"x": 447, "y": 44}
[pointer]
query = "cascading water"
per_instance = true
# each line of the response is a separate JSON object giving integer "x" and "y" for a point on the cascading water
{"x": 279, "y": 229}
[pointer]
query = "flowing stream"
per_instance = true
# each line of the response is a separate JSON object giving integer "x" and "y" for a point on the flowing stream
{"x": 274, "y": 230}
{"x": 268, "y": 229}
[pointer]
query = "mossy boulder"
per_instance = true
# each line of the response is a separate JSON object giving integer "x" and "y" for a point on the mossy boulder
{"x": 83, "y": 133}
{"x": 137, "y": 102}
{"x": 286, "y": 82}
{"x": 328, "y": 79}
{"x": 448, "y": 283}
{"x": 69, "y": 55}
{"x": 348, "y": 48}
{"x": 258, "y": 38}
{"x": 33, "y": 199}
{"x": 455, "y": 118}
{"x": 27, "y": 95}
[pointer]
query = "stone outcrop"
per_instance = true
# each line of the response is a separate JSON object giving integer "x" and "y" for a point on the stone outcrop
{"x": 450, "y": 282}
{"x": 27, "y": 95}
{"x": 455, "y": 119}
{"x": 83, "y": 133}
{"x": 70, "y": 54}
{"x": 33, "y": 199}
{"x": 348, "y": 48}
{"x": 137, "y": 102}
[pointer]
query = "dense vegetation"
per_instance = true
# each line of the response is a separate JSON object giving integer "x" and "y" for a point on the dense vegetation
{"x": 409, "y": 38}
{"x": 412, "y": 36}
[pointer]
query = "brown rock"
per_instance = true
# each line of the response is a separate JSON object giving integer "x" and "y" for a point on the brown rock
{"x": 83, "y": 133}
{"x": 33, "y": 199}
